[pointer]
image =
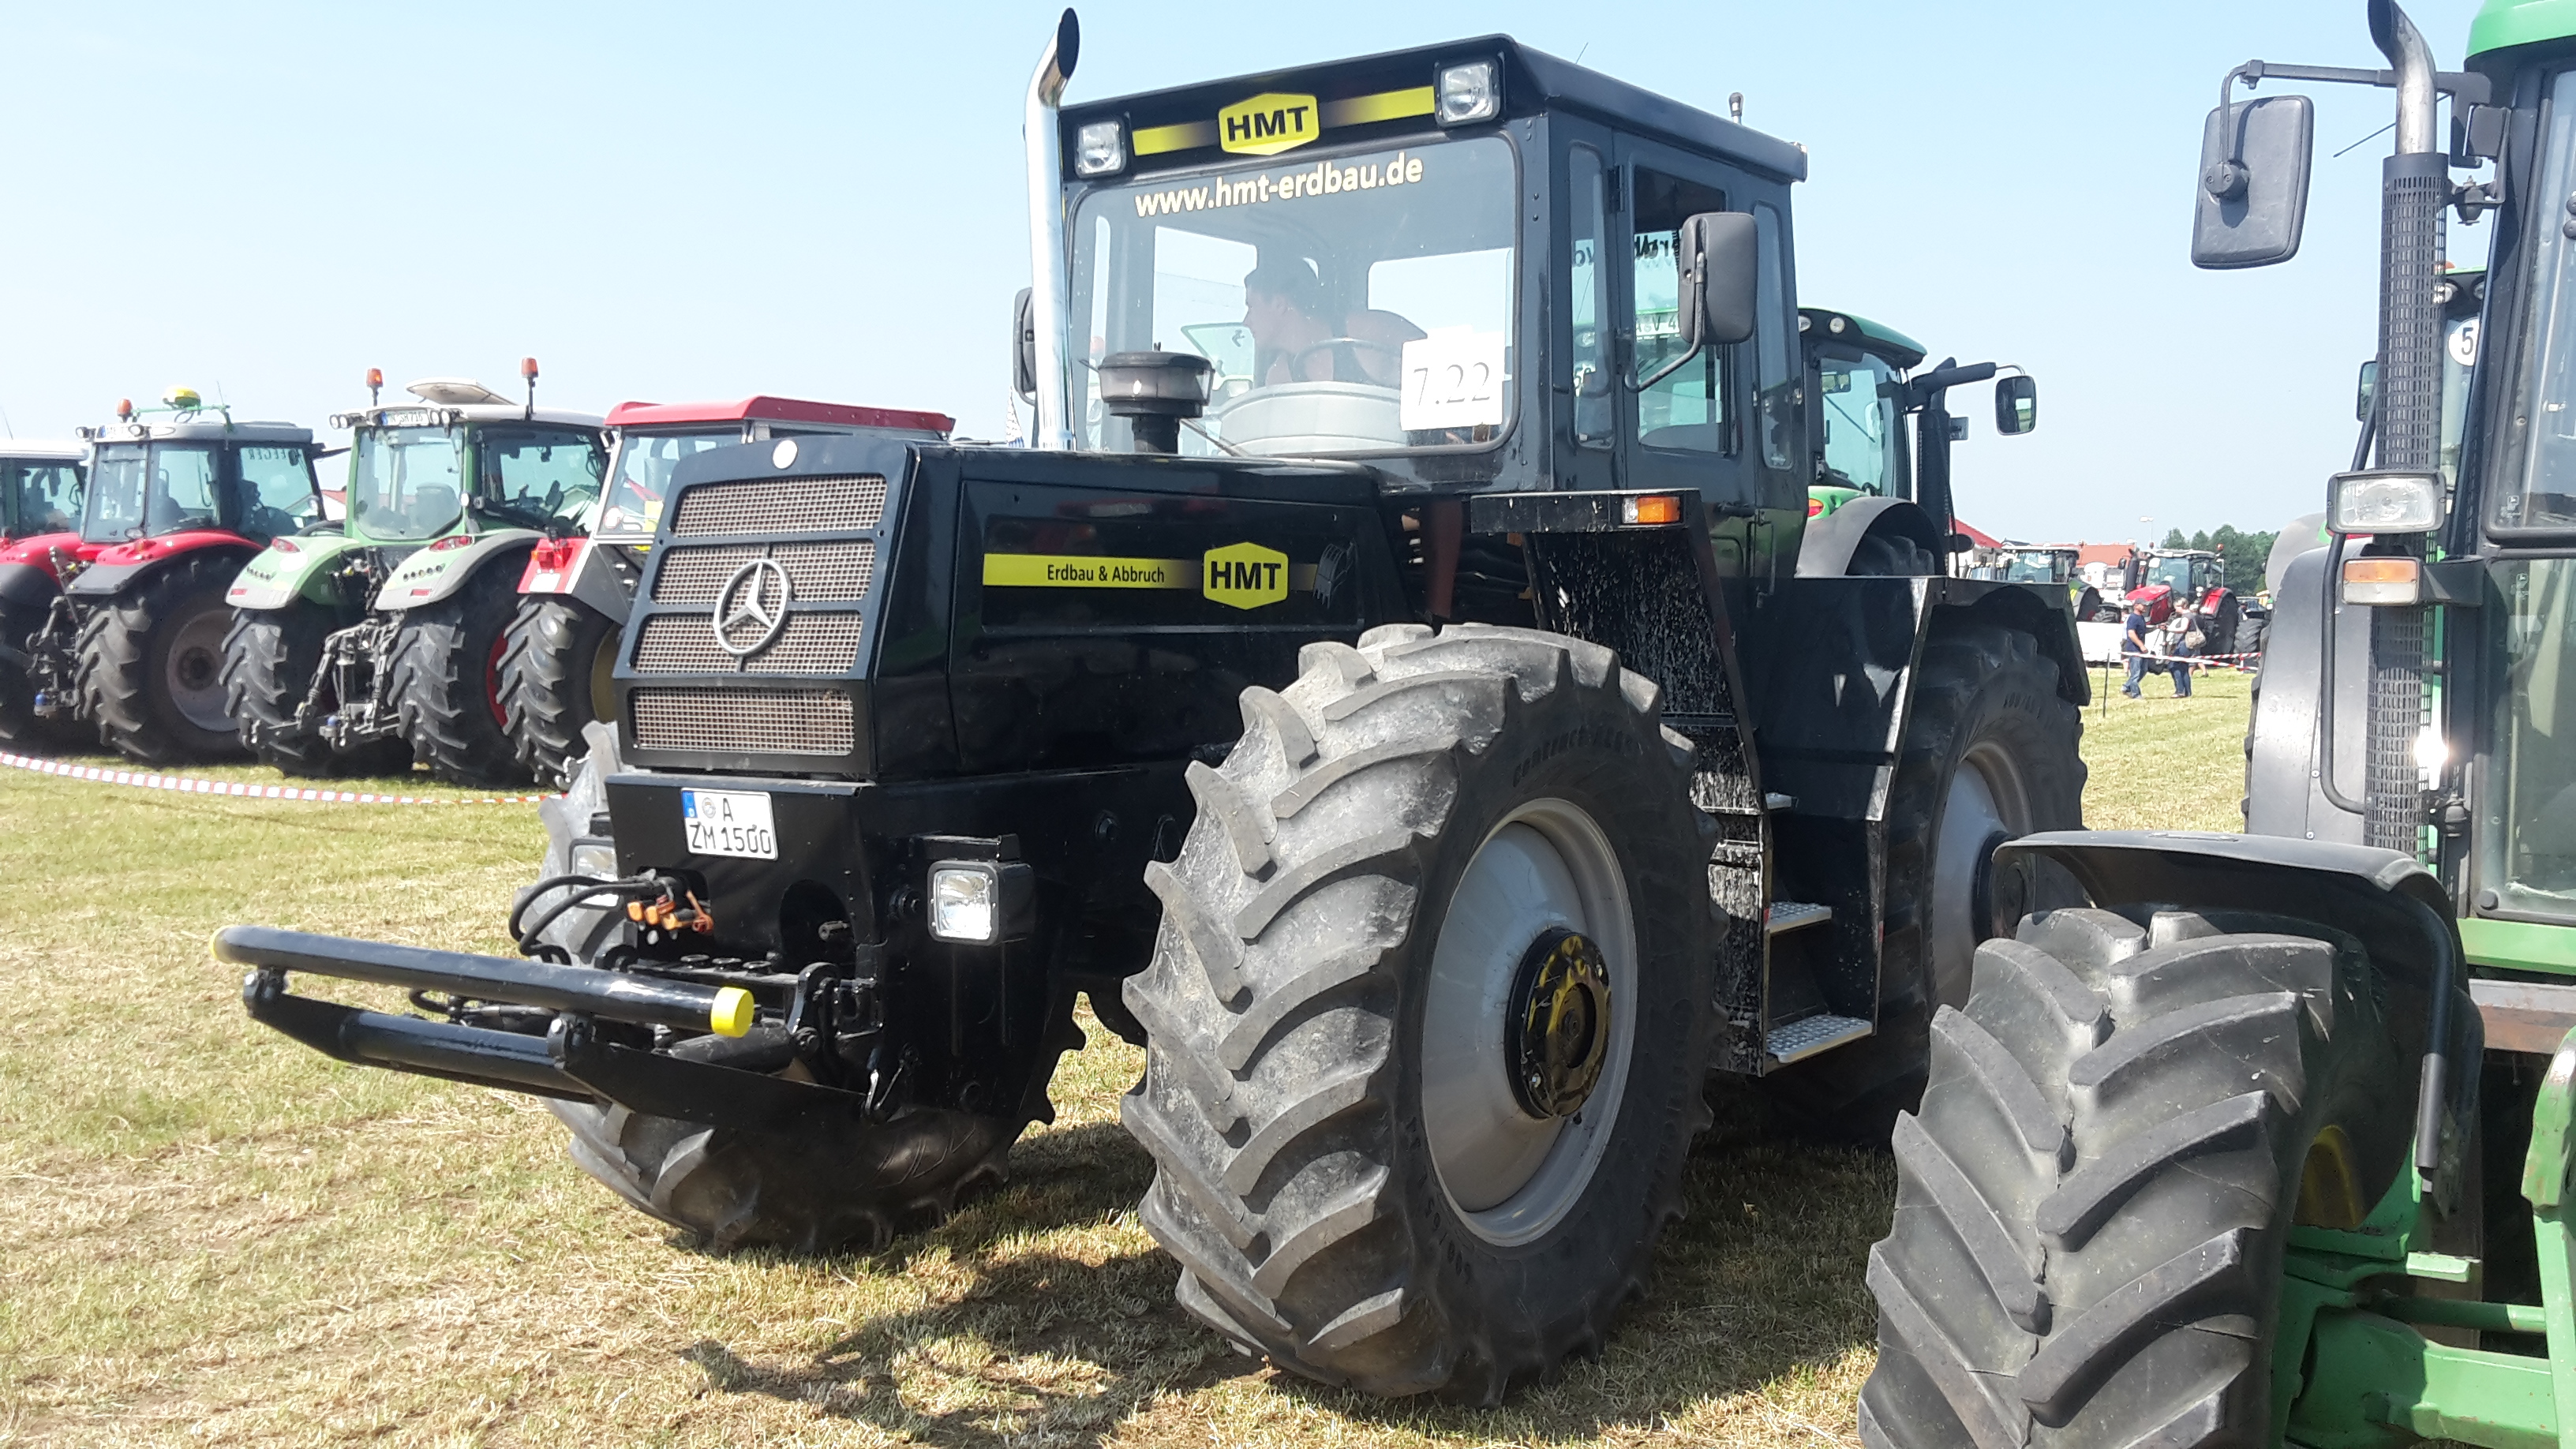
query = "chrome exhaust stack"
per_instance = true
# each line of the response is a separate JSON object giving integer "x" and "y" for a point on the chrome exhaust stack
{"x": 1043, "y": 136}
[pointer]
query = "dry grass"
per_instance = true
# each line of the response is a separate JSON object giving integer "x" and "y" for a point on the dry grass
{"x": 210, "y": 1235}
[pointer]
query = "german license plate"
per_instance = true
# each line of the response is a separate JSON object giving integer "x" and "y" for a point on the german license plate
{"x": 729, "y": 822}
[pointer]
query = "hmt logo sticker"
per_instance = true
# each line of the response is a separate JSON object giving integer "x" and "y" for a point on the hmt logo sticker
{"x": 1245, "y": 575}
{"x": 1267, "y": 124}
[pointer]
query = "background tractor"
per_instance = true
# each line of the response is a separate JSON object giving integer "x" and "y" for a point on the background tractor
{"x": 558, "y": 666}
{"x": 1413, "y": 701}
{"x": 133, "y": 645}
{"x": 379, "y": 643}
{"x": 40, "y": 510}
{"x": 2269, "y": 1140}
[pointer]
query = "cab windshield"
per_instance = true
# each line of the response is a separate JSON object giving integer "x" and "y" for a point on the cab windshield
{"x": 2527, "y": 829}
{"x": 1357, "y": 303}
{"x": 643, "y": 474}
{"x": 2535, "y": 470}
{"x": 140, "y": 490}
{"x": 1862, "y": 434}
{"x": 2035, "y": 568}
{"x": 407, "y": 484}
{"x": 2173, "y": 573}
{"x": 38, "y": 496}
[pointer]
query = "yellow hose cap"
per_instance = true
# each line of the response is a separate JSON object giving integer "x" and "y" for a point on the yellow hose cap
{"x": 732, "y": 1013}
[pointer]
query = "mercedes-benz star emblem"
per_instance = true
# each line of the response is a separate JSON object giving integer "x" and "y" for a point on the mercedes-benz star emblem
{"x": 752, "y": 607}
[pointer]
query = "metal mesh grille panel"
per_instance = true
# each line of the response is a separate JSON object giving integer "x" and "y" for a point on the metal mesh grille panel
{"x": 823, "y": 573}
{"x": 745, "y": 721}
{"x": 781, "y": 505}
{"x": 810, "y": 644}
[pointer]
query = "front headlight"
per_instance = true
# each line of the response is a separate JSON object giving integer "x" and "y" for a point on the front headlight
{"x": 981, "y": 902}
{"x": 2385, "y": 503}
{"x": 1100, "y": 148}
{"x": 1470, "y": 92}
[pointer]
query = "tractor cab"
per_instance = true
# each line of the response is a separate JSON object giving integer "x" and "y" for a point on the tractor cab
{"x": 1855, "y": 370}
{"x": 40, "y": 489}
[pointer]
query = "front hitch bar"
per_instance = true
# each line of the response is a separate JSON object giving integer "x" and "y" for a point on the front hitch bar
{"x": 616, "y": 995}
{"x": 571, "y": 1062}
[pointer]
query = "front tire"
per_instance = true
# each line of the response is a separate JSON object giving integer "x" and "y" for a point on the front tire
{"x": 1366, "y": 1172}
{"x": 152, "y": 662}
{"x": 557, "y": 678}
{"x": 446, "y": 685}
{"x": 855, "y": 1184}
{"x": 2093, "y": 1201}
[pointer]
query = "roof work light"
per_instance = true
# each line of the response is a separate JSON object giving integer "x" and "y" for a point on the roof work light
{"x": 1100, "y": 148}
{"x": 1471, "y": 92}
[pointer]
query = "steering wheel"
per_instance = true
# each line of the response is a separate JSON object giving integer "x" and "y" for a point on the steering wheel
{"x": 1297, "y": 363}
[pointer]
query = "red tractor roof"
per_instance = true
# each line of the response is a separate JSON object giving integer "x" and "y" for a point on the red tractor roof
{"x": 776, "y": 409}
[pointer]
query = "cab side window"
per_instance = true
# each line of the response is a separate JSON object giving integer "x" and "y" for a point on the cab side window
{"x": 1775, "y": 356}
{"x": 277, "y": 490}
{"x": 1692, "y": 409}
{"x": 1588, "y": 366}
{"x": 541, "y": 473}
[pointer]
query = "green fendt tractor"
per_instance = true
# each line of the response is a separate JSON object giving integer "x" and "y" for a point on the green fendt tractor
{"x": 1413, "y": 702}
{"x": 2270, "y": 1141}
{"x": 379, "y": 643}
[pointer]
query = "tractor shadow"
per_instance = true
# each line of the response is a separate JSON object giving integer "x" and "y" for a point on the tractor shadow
{"x": 1053, "y": 1322}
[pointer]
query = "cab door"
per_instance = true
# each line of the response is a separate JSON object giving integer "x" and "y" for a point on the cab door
{"x": 1730, "y": 423}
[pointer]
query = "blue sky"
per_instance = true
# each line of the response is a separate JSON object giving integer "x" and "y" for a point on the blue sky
{"x": 669, "y": 202}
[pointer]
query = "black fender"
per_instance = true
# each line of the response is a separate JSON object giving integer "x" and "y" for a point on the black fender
{"x": 2039, "y": 610}
{"x": 26, "y": 586}
{"x": 105, "y": 581}
{"x": 2283, "y": 795}
{"x": 1826, "y": 552}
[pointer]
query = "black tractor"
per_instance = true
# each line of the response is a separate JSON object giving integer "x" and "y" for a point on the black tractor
{"x": 1402, "y": 688}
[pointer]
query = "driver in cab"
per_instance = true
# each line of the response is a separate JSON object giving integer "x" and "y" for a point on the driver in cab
{"x": 1297, "y": 337}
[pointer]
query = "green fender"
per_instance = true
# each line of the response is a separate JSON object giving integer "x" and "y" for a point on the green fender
{"x": 290, "y": 568}
{"x": 434, "y": 572}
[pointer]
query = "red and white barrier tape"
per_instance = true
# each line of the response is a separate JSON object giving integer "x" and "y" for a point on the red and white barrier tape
{"x": 185, "y": 785}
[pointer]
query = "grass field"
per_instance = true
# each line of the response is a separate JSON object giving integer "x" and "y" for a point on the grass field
{"x": 211, "y": 1236}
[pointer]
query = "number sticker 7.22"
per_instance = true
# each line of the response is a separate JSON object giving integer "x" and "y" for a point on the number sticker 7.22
{"x": 1452, "y": 379}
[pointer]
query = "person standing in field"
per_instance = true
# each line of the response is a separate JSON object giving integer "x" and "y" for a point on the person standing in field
{"x": 2182, "y": 638}
{"x": 2133, "y": 649}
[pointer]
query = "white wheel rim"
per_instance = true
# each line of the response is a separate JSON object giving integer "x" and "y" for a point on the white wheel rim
{"x": 1986, "y": 798}
{"x": 1511, "y": 1177}
{"x": 193, "y": 671}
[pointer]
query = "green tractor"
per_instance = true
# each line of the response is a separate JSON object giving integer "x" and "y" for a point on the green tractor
{"x": 1427, "y": 720}
{"x": 2272, "y": 1140}
{"x": 371, "y": 646}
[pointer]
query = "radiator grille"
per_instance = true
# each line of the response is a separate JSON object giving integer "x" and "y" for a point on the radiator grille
{"x": 780, "y": 505}
{"x": 812, "y": 643}
{"x": 834, "y": 572}
{"x": 745, "y": 721}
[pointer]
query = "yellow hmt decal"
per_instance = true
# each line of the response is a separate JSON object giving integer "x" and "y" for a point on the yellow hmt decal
{"x": 1246, "y": 575}
{"x": 1268, "y": 124}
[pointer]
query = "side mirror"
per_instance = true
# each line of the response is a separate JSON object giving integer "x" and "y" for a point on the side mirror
{"x": 2367, "y": 392}
{"x": 1024, "y": 347}
{"x": 1719, "y": 267}
{"x": 2016, "y": 404}
{"x": 2252, "y": 196}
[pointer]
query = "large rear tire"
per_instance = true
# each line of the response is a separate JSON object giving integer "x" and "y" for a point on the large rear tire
{"x": 152, "y": 663}
{"x": 270, "y": 657}
{"x": 556, "y": 679}
{"x": 1992, "y": 751}
{"x": 1410, "y": 1133}
{"x": 446, "y": 684}
{"x": 2093, "y": 1201}
{"x": 854, "y": 1185}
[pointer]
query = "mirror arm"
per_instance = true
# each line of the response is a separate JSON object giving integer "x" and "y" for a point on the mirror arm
{"x": 1668, "y": 369}
{"x": 2471, "y": 88}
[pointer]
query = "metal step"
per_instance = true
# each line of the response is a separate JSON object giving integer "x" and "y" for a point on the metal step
{"x": 1812, "y": 1034}
{"x": 1790, "y": 915}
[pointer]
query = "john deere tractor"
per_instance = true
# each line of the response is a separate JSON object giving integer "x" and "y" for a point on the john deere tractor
{"x": 379, "y": 644}
{"x": 558, "y": 666}
{"x": 1412, "y": 700}
{"x": 179, "y": 496}
{"x": 40, "y": 509}
{"x": 2272, "y": 1140}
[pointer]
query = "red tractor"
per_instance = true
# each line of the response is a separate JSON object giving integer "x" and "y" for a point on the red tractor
{"x": 133, "y": 644}
{"x": 2162, "y": 579}
{"x": 40, "y": 505}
